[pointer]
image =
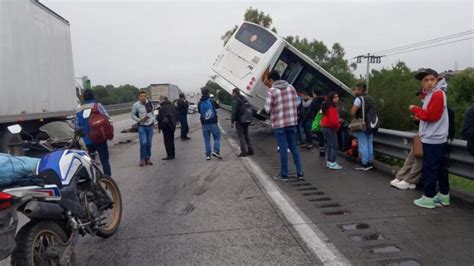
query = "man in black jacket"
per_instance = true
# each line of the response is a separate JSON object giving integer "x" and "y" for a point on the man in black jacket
{"x": 242, "y": 128}
{"x": 468, "y": 129}
{"x": 182, "y": 109}
{"x": 167, "y": 123}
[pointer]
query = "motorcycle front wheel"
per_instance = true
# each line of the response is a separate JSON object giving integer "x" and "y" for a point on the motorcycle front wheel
{"x": 39, "y": 243}
{"x": 112, "y": 216}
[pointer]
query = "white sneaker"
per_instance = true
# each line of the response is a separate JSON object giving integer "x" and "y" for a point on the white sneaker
{"x": 394, "y": 182}
{"x": 402, "y": 185}
{"x": 412, "y": 186}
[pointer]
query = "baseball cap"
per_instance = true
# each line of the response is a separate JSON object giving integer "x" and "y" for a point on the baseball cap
{"x": 424, "y": 72}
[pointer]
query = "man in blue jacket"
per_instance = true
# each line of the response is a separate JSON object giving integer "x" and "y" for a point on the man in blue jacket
{"x": 83, "y": 123}
{"x": 207, "y": 108}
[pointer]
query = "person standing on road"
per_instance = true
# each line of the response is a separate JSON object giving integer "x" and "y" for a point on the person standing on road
{"x": 282, "y": 106}
{"x": 316, "y": 106}
{"x": 330, "y": 124}
{"x": 207, "y": 108}
{"x": 182, "y": 108}
{"x": 142, "y": 113}
{"x": 101, "y": 148}
{"x": 433, "y": 131}
{"x": 167, "y": 123}
{"x": 364, "y": 138}
{"x": 242, "y": 127}
{"x": 306, "y": 121}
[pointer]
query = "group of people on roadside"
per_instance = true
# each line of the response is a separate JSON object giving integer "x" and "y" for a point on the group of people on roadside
{"x": 291, "y": 117}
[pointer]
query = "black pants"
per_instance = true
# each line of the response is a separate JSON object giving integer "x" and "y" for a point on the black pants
{"x": 243, "y": 133}
{"x": 183, "y": 120}
{"x": 103, "y": 151}
{"x": 321, "y": 142}
{"x": 435, "y": 172}
{"x": 168, "y": 138}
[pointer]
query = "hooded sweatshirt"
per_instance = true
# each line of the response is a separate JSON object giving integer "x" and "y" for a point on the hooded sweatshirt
{"x": 434, "y": 120}
{"x": 281, "y": 105}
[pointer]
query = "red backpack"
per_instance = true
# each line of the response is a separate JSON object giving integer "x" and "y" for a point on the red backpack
{"x": 100, "y": 128}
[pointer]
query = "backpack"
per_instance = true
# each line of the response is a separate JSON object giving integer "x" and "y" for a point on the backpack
{"x": 207, "y": 110}
{"x": 100, "y": 128}
{"x": 452, "y": 124}
{"x": 316, "y": 125}
{"x": 246, "y": 111}
{"x": 372, "y": 122}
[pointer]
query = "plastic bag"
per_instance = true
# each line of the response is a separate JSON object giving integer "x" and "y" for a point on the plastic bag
{"x": 13, "y": 168}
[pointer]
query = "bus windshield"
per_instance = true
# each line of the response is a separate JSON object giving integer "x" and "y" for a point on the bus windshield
{"x": 255, "y": 37}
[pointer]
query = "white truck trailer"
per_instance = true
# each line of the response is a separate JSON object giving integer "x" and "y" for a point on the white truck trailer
{"x": 165, "y": 89}
{"x": 36, "y": 69}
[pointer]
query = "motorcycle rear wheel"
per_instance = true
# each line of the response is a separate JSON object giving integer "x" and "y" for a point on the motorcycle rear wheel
{"x": 114, "y": 215}
{"x": 35, "y": 244}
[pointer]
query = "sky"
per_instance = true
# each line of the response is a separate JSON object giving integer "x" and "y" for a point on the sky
{"x": 144, "y": 42}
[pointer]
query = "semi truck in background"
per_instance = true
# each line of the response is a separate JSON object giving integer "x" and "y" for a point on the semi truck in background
{"x": 37, "y": 85}
{"x": 164, "y": 89}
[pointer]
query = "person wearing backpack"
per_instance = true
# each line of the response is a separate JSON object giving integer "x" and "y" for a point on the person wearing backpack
{"x": 433, "y": 131}
{"x": 207, "y": 109}
{"x": 142, "y": 113}
{"x": 281, "y": 104}
{"x": 241, "y": 117}
{"x": 362, "y": 107}
{"x": 167, "y": 123}
{"x": 101, "y": 145}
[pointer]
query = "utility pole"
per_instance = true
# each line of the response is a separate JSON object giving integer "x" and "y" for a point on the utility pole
{"x": 374, "y": 59}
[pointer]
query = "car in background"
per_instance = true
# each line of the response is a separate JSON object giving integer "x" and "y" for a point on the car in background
{"x": 192, "y": 109}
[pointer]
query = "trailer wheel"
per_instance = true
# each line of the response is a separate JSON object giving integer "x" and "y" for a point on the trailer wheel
{"x": 11, "y": 144}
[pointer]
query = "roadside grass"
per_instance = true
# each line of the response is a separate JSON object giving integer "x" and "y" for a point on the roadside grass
{"x": 461, "y": 183}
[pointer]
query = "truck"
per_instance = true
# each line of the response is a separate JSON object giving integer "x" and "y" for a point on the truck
{"x": 164, "y": 89}
{"x": 37, "y": 84}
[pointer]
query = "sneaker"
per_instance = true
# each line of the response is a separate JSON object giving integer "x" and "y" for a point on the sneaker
{"x": 250, "y": 152}
{"x": 402, "y": 185}
{"x": 309, "y": 146}
{"x": 303, "y": 145}
{"x": 242, "y": 154}
{"x": 300, "y": 176}
{"x": 217, "y": 155}
{"x": 148, "y": 162}
{"x": 327, "y": 164}
{"x": 425, "y": 202}
{"x": 334, "y": 166}
{"x": 441, "y": 199}
{"x": 208, "y": 158}
{"x": 142, "y": 163}
{"x": 394, "y": 182}
{"x": 363, "y": 167}
{"x": 281, "y": 178}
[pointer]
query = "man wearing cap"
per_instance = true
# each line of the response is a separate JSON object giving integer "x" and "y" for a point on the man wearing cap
{"x": 433, "y": 130}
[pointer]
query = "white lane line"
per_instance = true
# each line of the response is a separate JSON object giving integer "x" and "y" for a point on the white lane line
{"x": 314, "y": 238}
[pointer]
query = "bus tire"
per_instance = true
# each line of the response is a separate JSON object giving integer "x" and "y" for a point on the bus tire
{"x": 7, "y": 139}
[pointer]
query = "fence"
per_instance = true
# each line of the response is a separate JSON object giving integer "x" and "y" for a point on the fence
{"x": 115, "y": 109}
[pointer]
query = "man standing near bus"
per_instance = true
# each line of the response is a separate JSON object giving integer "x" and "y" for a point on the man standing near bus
{"x": 207, "y": 108}
{"x": 282, "y": 106}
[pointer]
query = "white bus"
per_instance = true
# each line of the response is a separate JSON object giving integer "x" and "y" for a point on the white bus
{"x": 253, "y": 51}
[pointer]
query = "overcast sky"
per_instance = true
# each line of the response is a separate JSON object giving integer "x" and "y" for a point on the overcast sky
{"x": 143, "y": 42}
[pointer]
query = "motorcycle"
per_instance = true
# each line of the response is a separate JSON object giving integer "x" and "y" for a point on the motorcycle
{"x": 69, "y": 197}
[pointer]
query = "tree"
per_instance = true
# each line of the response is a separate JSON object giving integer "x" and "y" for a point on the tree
{"x": 460, "y": 96}
{"x": 251, "y": 15}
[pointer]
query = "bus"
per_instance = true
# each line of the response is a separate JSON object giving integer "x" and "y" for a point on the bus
{"x": 253, "y": 51}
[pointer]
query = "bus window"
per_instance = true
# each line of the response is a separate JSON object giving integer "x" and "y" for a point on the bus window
{"x": 255, "y": 37}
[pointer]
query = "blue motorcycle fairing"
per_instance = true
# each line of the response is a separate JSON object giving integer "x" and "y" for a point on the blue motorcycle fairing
{"x": 62, "y": 163}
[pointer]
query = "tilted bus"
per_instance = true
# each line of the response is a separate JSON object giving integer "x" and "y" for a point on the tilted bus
{"x": 253, "y": 51}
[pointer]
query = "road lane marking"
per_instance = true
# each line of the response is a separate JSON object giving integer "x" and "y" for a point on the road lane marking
{"x": 313, "y": 237}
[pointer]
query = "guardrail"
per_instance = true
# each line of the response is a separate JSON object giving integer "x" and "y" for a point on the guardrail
{"x": 397, "y": 144}
{"x": 120, "y": 108}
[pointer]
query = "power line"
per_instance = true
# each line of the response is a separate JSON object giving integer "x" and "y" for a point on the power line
{"x": 426, "y": 47}
{"x": 439, "y": 39}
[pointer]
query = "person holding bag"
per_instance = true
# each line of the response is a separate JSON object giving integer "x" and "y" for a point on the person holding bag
{"x": 330, "y": 124}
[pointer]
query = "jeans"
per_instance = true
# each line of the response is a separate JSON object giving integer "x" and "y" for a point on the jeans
{"x": 243, "y": 133}
{"x": 183, "y": 120}
{"x": 300, "y": 132}
{"x": 307, "y": 131}
{"x": 366, "y": 147}
{"x": 286, "y": 139}
{"x": 103, "y": 151}
{"x": 145, "y": 135}
{"x": 168, "y": 139}
{"x": 434, "y": 171}
{"x": 330, "y": 135}
{"x": 207, "y": 130}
